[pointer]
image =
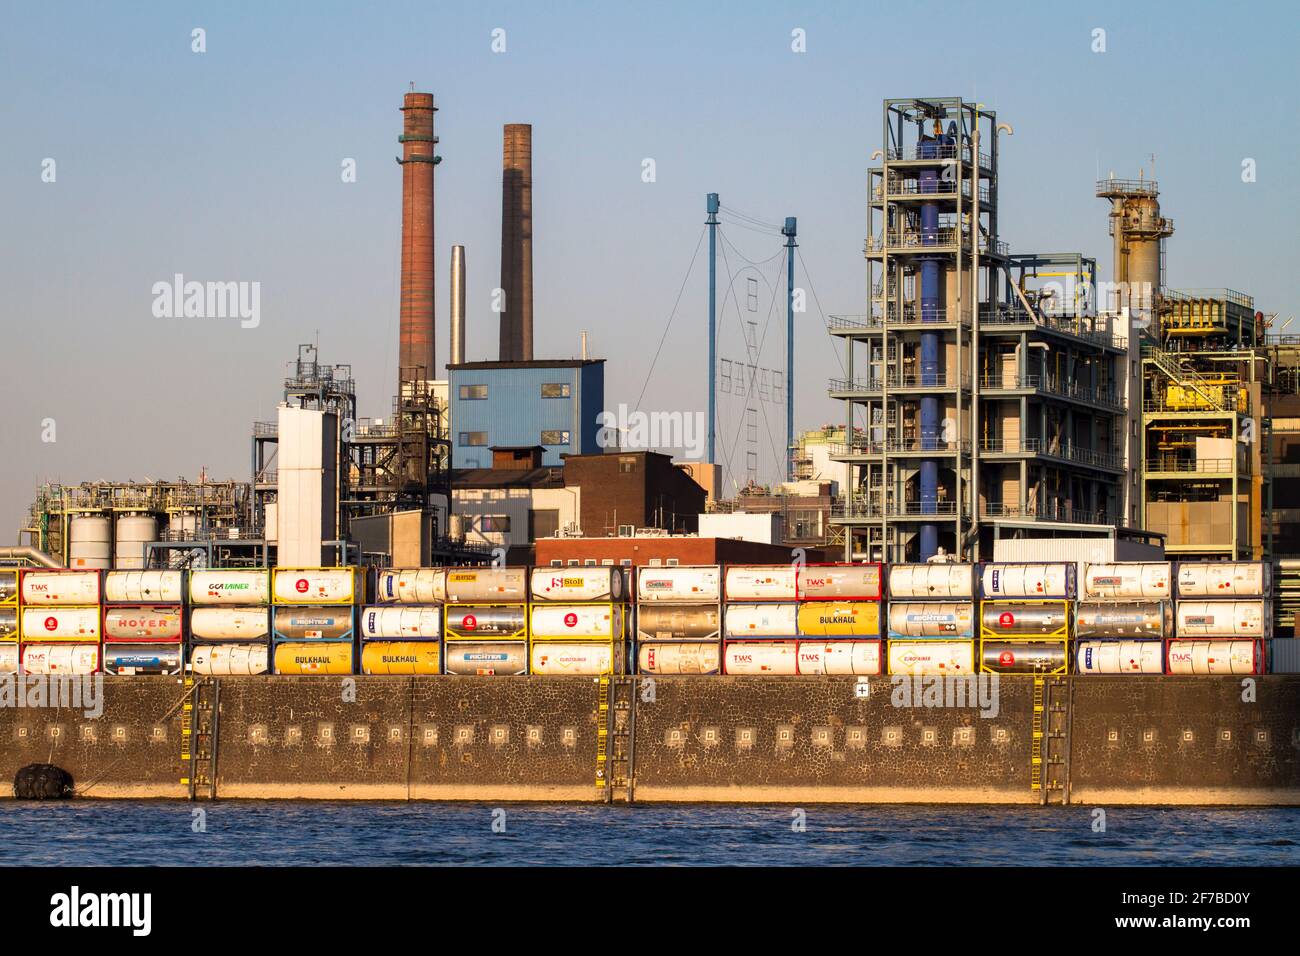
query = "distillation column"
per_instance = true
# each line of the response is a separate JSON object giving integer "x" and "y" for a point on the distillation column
{"x": 932, "y": 277}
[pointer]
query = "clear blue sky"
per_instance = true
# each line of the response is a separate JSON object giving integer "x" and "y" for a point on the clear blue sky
{"x": 226, "y": 166}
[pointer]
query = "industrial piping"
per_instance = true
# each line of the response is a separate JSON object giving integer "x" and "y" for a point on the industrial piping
{"x": 931, "y": 273}
{"x": 34, "y": 555}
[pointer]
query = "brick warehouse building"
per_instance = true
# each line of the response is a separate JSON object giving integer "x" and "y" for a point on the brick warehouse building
{"x": 664, "y": 550}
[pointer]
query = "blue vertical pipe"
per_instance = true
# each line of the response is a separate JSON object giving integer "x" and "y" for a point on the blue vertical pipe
{"x": 711, "y": 205}
{"x": 928, "y": 182}
{"x": 790, "y": 231}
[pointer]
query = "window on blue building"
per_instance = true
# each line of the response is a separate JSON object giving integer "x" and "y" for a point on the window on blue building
{"x": 555, "y": 390}
{"x": 473, "y": 438}
{"x": 555, "y": 438}
{"x": 473, "y": 392}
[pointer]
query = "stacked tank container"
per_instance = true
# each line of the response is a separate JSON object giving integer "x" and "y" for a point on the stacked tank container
{"x": 229, "y": 621}
{"x": 401, "y": 633}
{"x": 578, "y": 621}
{"x": 485, "y": 622}
{"x": 839, "y": 618}
{"x": 760, "y": 620}
{"x": 313, "y": 620}
{"x": 1025, "y": 617}
{"x": 9, "y": 647}
{"x": 679, "y": 619}
{"x": 59, "y": 621}
{"x": 144, "y": 622}
{"x": 1124, "y": 617}
{"x": 1223, "y": 616}
{"x": 931, "y": 619}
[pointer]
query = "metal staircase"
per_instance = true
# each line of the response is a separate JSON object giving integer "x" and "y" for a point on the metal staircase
{"x": 1184, "y": 375}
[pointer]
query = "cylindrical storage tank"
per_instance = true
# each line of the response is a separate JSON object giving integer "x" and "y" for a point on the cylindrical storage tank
{"x": 668, "y": 622}
{"x": 144, "y": 624}
{"x": 144, "y": 587}
{"x": 60, "y": 588}
{"x": 8, "y": 586}
{"x": 931, "y": 581}
{"x": 8, "y": 623}
{"x": 414, "y": 586}
{"x": 408, "y": 623}
{"x": 682, "y": 658}
{"x": 229, "y": 660}
{"x": 133, "y": 533}
{"x": 315, "y": 586}
{"x": 1023, "y": 657}
{"x": 746, "y": 582}
{"x": 313, "y": 623}
{"x": 1045, "y": 619}
{"x": 561, "y": 657}
{"x": 500, "y": 659}
{"x": 313, "y": 657}
{"x": 132, "y": 659}
{"x": 77, "y": 659}
{"x": 840, "y": 618}
{"x": 1224, "y": 619}
{"x": 487, "y": 585}
{"x": 840, "y": 582}
{"x": 401, "y": 657}
{"x": 9, "y": 658}
{"x": 679, "y": 585}
{"x": 840, "y": 657}
{"x": 577, "y": 585}
{"x": 71, "y": 624}
{"x": 1129, "y": 581}
{"x": 942, "y": 619}
{"x": 230, "y": 586}
{"x": 577, "y": 622}
{"x": 242, "y": 624}
{"x": 1029, "y": 581}
{"x": 931, "y": 658}
{"x": 1224, "y": 579}
{"x": 90, "y": 540}
{"x": 486, "y": 622}
{"x": 778, "y": 658}
{"x": 1214, "y": 657}
{"x": 761, "y": 620}
{"x": 1119, "y": 657}
{"x": 1128, "y": 619}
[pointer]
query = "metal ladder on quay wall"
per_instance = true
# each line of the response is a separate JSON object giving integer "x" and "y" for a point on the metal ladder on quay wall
{"x": 199, "y": 736}
{"x": 1049, "y": 771}
{"x": 615, "y": 718}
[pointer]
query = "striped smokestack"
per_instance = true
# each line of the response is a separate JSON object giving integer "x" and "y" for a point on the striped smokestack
{"x": 517, "y": 243}
{"x": 415, "y": 349}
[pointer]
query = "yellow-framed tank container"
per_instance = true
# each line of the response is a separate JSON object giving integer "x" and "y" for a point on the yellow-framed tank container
{"x": 485, "y": 622}
{"x": 577, "y": 623}
{"x": 1012, "y": 620}
{"x": 10, "y": 631}
{"x": 310, "y": 586}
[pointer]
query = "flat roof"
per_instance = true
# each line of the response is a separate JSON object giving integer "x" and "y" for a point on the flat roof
{"x": 539, "y": 363}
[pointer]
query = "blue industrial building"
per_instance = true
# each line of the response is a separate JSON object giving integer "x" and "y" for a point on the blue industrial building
{"x": 554, "y": 404}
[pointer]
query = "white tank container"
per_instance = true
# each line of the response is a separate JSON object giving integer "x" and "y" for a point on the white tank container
{"x": 577, "y": 622}
{"x": 314, "y": 586}
{"x": 1119, "y": 657}
{"x": 230, "y": 586}
{"x": 573, "y": 585}
{"x": 760, "y": 657}
{"x": 840, "y": 657}
{"x": 144, "y": 623}
{"x": 840, "y": 582}
{"x": 133, "y": 533}
{"x": 401, "y": 623}
{"x": 749, "y": 582}
{"x": 931, "y": 658}
{"x": 60, "y": 588}
{"x": 8, "y": 658}
{"x": 230, "y": 659}
{"x": 60, "y": 658}
{"x": 144, "y": 587}
{"x": 487, "y": 659}
{"x": 1224, "y": 619}
{"x": 61, "y": 624}
{"x": 1130, "y": 619}
{"x": 90, "y": 542}
{"x": 1044, "y": 581}
{"x": 230, "y": 623}
{"x": 487, "y": 585}
{"x": 1129, "y": 581}
{"x": 931, "y": 581}
{"x": 679, "y": 585}
{"x": 761, "y": 620}
{"x": 1224, "y": 579}
{"x": 1214, "y": 657}
{"x": 684, "y": 658}
{"x": 561, "y": 657}
{"x": 412, "y": 586}
{"x": 950, "y": 619}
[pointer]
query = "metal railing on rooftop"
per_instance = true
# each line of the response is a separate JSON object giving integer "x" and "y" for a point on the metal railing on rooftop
{"x": 1053, "y": 386}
